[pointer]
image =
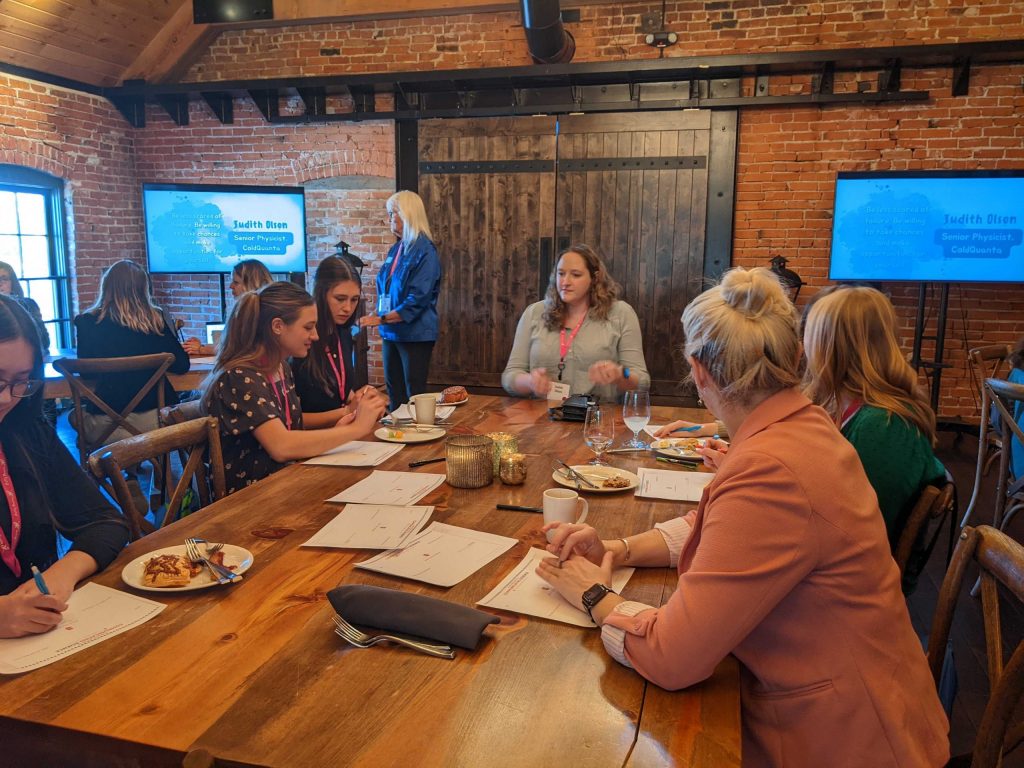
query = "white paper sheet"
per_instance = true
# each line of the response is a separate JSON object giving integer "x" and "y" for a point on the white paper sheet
{"x": 442, "y": 554}
{"x": 94, "y": 614}
{"x": 674, "y": 485}
{"x": 371, "y": 526}
{"x": 397, "y": 488}
{"x": 652, "y": 429}
{"x": 357, "y": 453}
{"x": 203, "y": 360}
{"x": 523, "y": 591}
{"x": 403, "y": 412}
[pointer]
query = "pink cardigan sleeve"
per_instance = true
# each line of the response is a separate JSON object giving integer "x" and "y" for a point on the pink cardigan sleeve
{"x": 754, "y": 546}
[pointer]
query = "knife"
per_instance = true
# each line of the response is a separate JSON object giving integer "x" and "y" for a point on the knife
{"x": 517, "y": 508}
{"x": 576, "y": 475}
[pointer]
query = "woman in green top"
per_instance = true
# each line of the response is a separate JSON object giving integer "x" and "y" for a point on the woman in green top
{"x": 857, "y": 372}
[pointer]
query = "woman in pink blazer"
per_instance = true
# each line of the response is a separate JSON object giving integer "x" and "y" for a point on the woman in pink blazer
{"x": 785, "y": 564}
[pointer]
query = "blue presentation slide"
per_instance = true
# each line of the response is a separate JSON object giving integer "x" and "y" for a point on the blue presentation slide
{"x": 929, "y": 228}
{"x": 212, "y": 230}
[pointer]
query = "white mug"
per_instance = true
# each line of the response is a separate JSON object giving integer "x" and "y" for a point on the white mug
{"x": 560, "y": 507}
{"x": 423, "y": 408}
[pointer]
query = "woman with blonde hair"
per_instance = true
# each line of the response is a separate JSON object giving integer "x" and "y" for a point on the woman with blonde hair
{"x": 784, "y": 564}
{"x": 251, "y": 390}
{"x": 124, "y": 322}
{"x": 858, "y": 374}
{"x": 580, "y": 335}
{"x": 408, "y": 284}
{"x": 248, "y": 275}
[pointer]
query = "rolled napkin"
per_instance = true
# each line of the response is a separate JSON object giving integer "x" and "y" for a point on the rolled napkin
{"x": 396, "y": 611}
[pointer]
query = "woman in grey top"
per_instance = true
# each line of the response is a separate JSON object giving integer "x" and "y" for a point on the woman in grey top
{"x": 580, "y": 335}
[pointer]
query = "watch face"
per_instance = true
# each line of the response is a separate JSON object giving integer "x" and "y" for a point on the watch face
{"x": 594, "y": 595}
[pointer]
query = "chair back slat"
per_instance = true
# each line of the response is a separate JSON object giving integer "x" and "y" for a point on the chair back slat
{"x": 1001, "y": 561}
{"x": 930, "y": 509}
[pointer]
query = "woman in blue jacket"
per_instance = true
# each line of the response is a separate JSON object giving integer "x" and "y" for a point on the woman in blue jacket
{"x": 407, "y": 288}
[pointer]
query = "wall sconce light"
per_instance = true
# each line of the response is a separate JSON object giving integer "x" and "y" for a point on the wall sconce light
{"x": 661, "y": 39}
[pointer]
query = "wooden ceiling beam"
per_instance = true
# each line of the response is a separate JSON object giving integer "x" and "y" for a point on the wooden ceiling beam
{"x": 169, "y": 55}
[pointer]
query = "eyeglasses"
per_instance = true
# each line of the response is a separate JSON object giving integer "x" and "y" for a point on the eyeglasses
{"x": 21, "y": 388}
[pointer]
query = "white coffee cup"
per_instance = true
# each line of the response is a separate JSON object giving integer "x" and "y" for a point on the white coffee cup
{"x": 423, "y": 408}
{"x": 560, "y": 507}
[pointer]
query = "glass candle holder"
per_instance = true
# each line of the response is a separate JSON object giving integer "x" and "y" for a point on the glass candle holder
{"x": 504, "y": 442}
{"x": 512, "y": 469}
{"x": 469, "y": 461}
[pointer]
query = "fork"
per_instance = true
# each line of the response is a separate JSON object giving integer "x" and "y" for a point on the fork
{"x": 222, "y": 575}
{"x": 362, "y": 640}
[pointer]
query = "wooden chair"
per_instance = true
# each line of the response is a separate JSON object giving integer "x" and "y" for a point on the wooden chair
{"x": 930, "y": 511}
{"x": 988, "y": 362}
{"x": 182, "y": 412}
{"x": 1005, "y": 396}
{"x": 192, "y": 436}
{"x": 80, "y": 375}
{"x": 1001, "y": 561}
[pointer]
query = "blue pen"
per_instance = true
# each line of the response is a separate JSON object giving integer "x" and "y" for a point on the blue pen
{"x": 694, "y": 428}
{"x": 39, "y": 581}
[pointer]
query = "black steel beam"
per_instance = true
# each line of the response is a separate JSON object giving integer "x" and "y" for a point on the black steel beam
{"x": 889, "y": 78}
{"x": 824, "y": 81}
{"x": 315, "y": 100}
{"x": 46, "y": 77}
{"x": 221, "y": 104}
{"x": 407, "y": 153}
{"x": 132, "y": 109}
{"x": 266, "y": 100}
{"x": 722, "y": 183}
{"x": 176, "y": 106}
{"x": 961, "y": 76}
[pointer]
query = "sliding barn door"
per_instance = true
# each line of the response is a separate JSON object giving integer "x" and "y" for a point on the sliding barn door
{"x": 506, "y": 195}
{"x": 489, "y": 188}
{"x": 635, "y": 187}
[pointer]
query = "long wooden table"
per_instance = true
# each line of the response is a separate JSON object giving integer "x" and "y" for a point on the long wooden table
{"x": 55, "y": 385}
{"x": 253, "y": 674}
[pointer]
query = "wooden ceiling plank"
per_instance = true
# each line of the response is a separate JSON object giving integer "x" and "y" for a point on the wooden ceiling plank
{"x": 53, "y": 67}
{"x": 105, "y": 48}
{"x": 172, "y": 51}
{"x": 81, "y": 27}
{"x": 85, "y": 65}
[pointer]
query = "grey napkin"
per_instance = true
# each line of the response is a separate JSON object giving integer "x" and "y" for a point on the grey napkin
{"x": 396, "y": 611}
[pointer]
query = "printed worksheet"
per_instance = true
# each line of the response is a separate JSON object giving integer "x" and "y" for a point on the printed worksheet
{"x": 371, "y": 526}
{"x": 357, "y": 453}
{"x": 203, "y": 360}
{"x": 95, "y": 613}
{"x": 394, "y": 488}
{"x": 674, "y": 485}
{"x": 523, "y": 591}
{"x": 442, "y": 554}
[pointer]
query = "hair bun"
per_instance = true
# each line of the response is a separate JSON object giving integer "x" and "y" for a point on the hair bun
{"x": 751, "y": 292}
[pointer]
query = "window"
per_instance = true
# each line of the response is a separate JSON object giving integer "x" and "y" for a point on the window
{"x": 32, "y": 242}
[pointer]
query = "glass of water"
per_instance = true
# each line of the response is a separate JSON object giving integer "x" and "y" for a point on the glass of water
{"x": 599, "y": 431}
{"x": 636, "y": 412}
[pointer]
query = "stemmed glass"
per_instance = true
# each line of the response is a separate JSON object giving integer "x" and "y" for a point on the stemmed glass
{"x": 636, "y": 412}
{"x": 599, "y": 431}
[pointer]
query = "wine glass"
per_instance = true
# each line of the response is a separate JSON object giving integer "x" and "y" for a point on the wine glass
{"x": 636, "y": 412}
{"x": 599, "y": 431}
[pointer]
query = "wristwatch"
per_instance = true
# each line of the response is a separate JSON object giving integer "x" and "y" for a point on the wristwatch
{"x": 593, "y": 596}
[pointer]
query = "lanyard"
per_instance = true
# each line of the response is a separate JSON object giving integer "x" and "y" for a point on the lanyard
{"x": 849, "y": 413}
{"x": 394, "y": 266}
{"x": 339, "y": 373}
{"x": 564, "y": 346}
{"x": 7, "y": 547}
{"x": 282, "y": 400}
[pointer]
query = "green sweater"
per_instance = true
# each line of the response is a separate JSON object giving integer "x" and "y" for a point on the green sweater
{"x": 898, "y": 461}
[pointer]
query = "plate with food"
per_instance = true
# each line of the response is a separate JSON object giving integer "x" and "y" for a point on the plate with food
{"x": 452, "y": 396}
{"x": 684, "y": 448}
{"x": 411, "y": 433}
{"x": 170, "y": 570}
{"x": 606, "y": 479}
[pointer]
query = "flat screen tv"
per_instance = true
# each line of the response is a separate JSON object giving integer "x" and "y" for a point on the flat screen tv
{"x": 946, "y": 226}
{"x": 193, "y": 228}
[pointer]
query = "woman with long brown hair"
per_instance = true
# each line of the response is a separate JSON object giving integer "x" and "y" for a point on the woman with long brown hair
{"x": 248, "y": 275}
{"x": 580, "y": 335}
{"x": 11, "y": 286}
{"x": 856, "y": 371}
{"x": 251, "y": 389}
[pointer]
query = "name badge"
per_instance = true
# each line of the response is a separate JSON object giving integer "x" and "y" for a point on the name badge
{"x": 559, "y": 391}
{"x": 383, "y": 305}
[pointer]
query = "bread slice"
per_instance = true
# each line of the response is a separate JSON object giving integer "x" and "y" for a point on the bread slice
{"x": 167, "y": 571}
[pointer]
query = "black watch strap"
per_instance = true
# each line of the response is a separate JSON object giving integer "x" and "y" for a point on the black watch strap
{"x": 593, "y": 596}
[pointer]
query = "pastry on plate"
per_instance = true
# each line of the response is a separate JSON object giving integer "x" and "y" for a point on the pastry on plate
{"x": 168, "y": 571}
{"x": 454, "y": 395}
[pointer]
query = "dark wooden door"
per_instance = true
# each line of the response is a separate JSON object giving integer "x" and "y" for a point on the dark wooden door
{"x": 635, "y": 187}
{"x": 489, "y": 189}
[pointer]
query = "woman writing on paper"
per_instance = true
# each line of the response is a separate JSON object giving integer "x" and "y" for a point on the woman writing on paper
{"x": 785, "y": 563}
{"x": 408, "y": 284}
{"x": 43, "y": 491}
{"x": 581, "y": 339}
{"x": 326, "y": 380}
{"x": 251, "y": 390}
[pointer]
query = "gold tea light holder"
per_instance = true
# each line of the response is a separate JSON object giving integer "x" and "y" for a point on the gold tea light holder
{"x": 469, "y": 460}
{"x": 504, "y": 442}
{"x": 512, "y": 469}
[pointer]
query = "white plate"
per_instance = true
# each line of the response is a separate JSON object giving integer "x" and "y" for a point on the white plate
{"x": 131, "y": 574}
{"x": 679, "y": 447}
{"x": 409, "y": 435}
{"x": 437, "y": 396}
{"x": 595, "y": 475}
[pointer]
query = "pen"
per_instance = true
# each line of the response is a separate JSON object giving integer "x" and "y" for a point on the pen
{"x": 425, "y": 461}
{"x": 38, "y": 577}
{"x": 694, "y": 428}
{"x": 517, "y": 508}
{"x": 690, "y": 464}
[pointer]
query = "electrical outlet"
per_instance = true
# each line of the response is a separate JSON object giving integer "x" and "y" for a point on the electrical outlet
{"x": 650, "y": 22}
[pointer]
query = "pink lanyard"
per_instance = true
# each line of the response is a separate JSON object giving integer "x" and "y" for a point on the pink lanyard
{"x": 564, "y": 346}
{"x": 338, "y": 374}
{"x": 394, "y": 261}
{"x": 282, "y": 399}
{"x": 849, "y": 413}
{"x": 7, "y": 547}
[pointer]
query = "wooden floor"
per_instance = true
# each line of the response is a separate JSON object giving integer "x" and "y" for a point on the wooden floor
{"x": 968, "y": 635}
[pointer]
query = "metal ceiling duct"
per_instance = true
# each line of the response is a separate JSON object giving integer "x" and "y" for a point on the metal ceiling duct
{"x": 546, "y": 37}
